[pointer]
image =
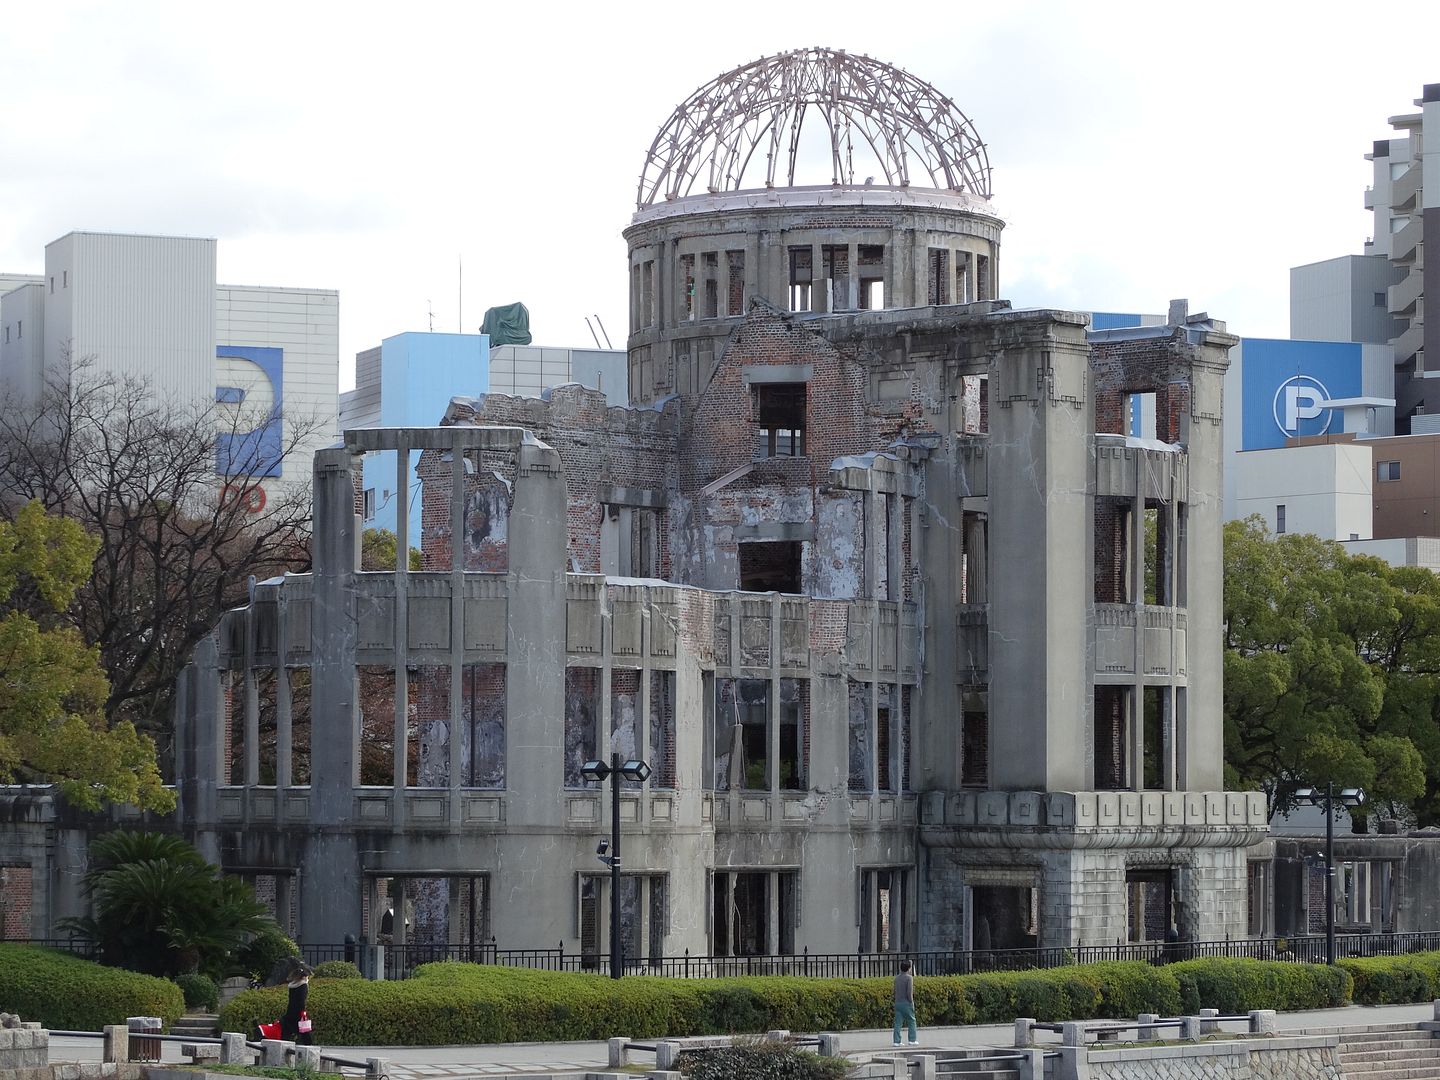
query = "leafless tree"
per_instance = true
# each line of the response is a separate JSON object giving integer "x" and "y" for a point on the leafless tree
{"x": 179, "y": 541}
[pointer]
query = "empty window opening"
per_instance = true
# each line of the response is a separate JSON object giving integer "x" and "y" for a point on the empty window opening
{"x": 1112, "y": 549}
{"x": 582, "y": 711}
{"x": 780, "y": 419}
{"x": 983, "y": 286}
{"x": 974, "y": 745}
{"x": 1003, "y": 917}
{"x": 963, "y": 294}
{"x": 754, "y": 913}
{"x": 742, "y": 742}
{"x": 835, "y": 268}
{"x": 884, "y": 740}
{"x": 938, "y": 288}
{"x": 1181, "y": 564}
{"x": 299, "y": 678}
{"x": 367, "y": 504}
{"x": 1258, "y": 898}
{"x": 647, "y": 293}
{"x": 770, "y": 566}
{"x": 884, "y": 921}
{"x": 801, "y": 276}
{"x": 1157, "y": 749}
{"x": 1141, "y": 421}
{"x": 735, "y": 298}
{"x": 859, "y": 736}
{"x": 482, "y": 704}
{"x": 687, "y": 288}
{"x": 793, "y": 718}
{"x": 662, "y": 729}
{"x": 1150, "y": 903}
{"x": 1111, "y": 716}
{"x": 870, "y": 273}
{"x": 1388, "y": 470}
{"x": 1279, "y": 517}
{"x": 430, "y": 919}
{"x": 710, "y": 265}
{"x": 625, "y": 732}
{"x": 428, "y": 757}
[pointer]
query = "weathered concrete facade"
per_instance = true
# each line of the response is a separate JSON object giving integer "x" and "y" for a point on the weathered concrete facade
{"x": 924, "y": 652}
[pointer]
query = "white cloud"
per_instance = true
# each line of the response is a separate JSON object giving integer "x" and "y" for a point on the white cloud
{"x": 1141, "y": 151}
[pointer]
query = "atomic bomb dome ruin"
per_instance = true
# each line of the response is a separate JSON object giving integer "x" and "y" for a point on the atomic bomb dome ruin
{"x": 861, "y": 573}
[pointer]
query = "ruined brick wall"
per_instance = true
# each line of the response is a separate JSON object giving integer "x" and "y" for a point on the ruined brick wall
{"x": 599, "y": 444}
{"x": 1145, "y": 366}
{"x": 15, "y": 903}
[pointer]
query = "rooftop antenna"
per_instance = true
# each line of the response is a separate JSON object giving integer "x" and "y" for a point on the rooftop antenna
{"x": 430, "y": 310}
{"x": 460, "y": 299}
{"x": 592, "y": 330}
{"x": 602, "y": 330}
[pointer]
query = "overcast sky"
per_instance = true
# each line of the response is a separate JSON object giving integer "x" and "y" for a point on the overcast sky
{"x": 1140, "y": 151}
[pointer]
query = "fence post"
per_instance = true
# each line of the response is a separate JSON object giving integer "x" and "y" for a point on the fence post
{"x": 1262, "y": 1022}
{"x": 687, "y": 961}
{"x": 1208, "y": 1026}
{"x": 805, "y": 962}
{"x": 925, "y": 1067}
{"x": 667, "y": 1055}
{"x": 1074, "y": 1063}
{"x": 272, "y": 1052}
{"x": 377, "y": 1069}
{"x": 1072, "y": 1033}
{"x": 830, "y": 1045}
{"x": 619, "y": 1053}
{"x": 1189, "y": 1028}
{"x": 1022, "y": 1030}
{"x": 1032, "y": 1065}
{"x": 1145, "y": 1031}
{"x": 117, "y": 1043}
{"x": 233, "y": 1050}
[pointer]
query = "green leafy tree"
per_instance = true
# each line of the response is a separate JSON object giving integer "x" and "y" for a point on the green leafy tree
{"x": 52, "y": 687}
{"x": 378, "y": 548}
{"x": 160, "y": 908}
{"x": 1327, "y": 668}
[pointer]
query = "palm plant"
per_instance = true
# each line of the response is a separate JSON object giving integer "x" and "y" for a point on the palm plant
{"x": 160, "y": 908}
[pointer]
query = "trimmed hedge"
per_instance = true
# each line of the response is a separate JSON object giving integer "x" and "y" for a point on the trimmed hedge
{"x": 1394, "y": 980}
{"x": 337, "y": 969}
{"x": 1238, "y": 985}
{"x": 453, "y": 1003}
{"x": 68, "y": 993}
{"x": 763, "y": 1061}
{"x": 201, "y": 991}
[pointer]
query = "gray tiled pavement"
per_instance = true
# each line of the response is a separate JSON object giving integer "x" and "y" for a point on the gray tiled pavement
{"x": 521, "y": 1059}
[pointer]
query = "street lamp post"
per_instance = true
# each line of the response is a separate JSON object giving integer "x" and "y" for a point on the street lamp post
{"x": 1328, "y": 799}
{"x": 598, "y": 771}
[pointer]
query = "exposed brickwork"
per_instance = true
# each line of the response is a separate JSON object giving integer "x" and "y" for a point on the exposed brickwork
{"x": 15, "y": 902}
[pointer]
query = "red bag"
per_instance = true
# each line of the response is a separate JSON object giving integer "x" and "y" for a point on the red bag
{"x": 270, "y": 1031}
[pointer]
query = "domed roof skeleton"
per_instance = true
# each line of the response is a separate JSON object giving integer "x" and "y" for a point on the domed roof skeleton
{"x": 719, "y": 128}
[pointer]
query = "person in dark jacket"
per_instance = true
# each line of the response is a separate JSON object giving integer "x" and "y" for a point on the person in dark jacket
{"x": 298, "y": 981}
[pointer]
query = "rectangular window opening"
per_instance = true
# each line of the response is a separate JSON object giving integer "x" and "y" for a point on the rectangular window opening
{"x": 735, "y": 298}
{"x": 974, "y": 746}
{"x": 1389, "y": 470}
{"x": 801, "y": 276}
{"x": 983, "y": 285}
{"x": 1112, "y": 722}
{"x": 582, "y": 717}
{"x": 835, "y": 267}
{"x": 710, "y": 267}
{"x": 780, "y": 413}
{"x": 793, "y": 719}
{"x": 771, "y": 566}
{"x": 871, "y": 277}
{"x": 1157, "y": 737}
{"x": 483, "y": 713}
{"x": 938, "y": 288}
{"x": 687, "y": 288}
{"x": 1279, "y": 517}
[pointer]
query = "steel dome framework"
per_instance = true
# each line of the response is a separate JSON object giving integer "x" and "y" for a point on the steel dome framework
{"x": 713, "y": 138}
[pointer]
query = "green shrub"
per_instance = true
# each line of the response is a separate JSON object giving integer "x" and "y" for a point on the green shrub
{"x": 258, "y": 957}
{"x": 1394, "y": 980}
{"x": 1238, "y": 985}
{"x": 762, "y": 1061}
{"x": 201, "y": 991}
{"x": 337, "y": 969}
{"x": 455, "y": 1003}
{"x": 67, "y": 993}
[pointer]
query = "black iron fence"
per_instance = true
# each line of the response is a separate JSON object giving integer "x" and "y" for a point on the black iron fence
{"x": 401, "y": 960}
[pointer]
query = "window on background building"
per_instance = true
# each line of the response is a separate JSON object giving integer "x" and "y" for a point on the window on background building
{"x": 802, "y": 270}
{"x": 367, "y": 501}
{"x": 1379, "y": 299}
{"x": 1279, "y": 517}
{"x": 1388, "y": 470}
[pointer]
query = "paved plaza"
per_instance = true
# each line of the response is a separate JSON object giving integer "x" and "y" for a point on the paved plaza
{"x": 532, "y": 1059}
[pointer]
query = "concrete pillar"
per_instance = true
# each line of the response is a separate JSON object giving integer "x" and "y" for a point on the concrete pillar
{"x": 1072, "y": 1033}
{"x": 1208, "y": 1026}
{"x": 1262, "y": 1021}
{"x": 618, "y": 1052}
{"x": 667, "y": 1054}
{"x": 1022, "y": 1030}
{"x": 1145, "y": 1032}
{"x": 273, "y": 1053}
{"x": 401, "y": 767}
{"x": 117, "y": 1043}
{"x": 330, "y": 889}
{"x": 831, "y": 1045}
{"x": 1032, "y": 1065}
{"x": 1189, "y": 1028}
{"x": 377, "y": 1068}
{"x": 1041, "y": 415}
{"x": 1074, "y": 1064}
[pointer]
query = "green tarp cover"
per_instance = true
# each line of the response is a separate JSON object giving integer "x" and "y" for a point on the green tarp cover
{"x": 508, "y": 324}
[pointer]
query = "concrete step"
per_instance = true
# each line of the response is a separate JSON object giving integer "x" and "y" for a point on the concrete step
{"x": 1390, "y": 1050}
{"x": 1392, "y": 1072}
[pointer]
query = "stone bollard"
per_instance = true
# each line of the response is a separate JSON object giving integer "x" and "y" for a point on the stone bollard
{"x": 307, "y": 1058}
{"x": 1032, "y": 1064}
{"x": 117, "y": 1043}
{"x": 667, "y": 1054}
{"x": 1022, "y": 1030}
{"x": 1074, "y": 1063}
{"x": 1145, "y": 1027}
{"x": 900, "y": 1067}
{"x": 619, "y": 1056}
{"x": 830, "y": 1045}
{"x": 925, "y": 1068}
{"x": 1208, "y": 1023}
{"x": 1072, "y": 1033}
{"x": 273, "y": 1053}
{"x": 1262, "y": 1022}
{"x": 776, "y": 1036}
{"x": 1189, "y": 1028}
{"x": 377, "y": 1069}
{"x": 663, "y": 1074}
{"x": 1435, "y": 1005}
{"x": 233, "y": 1050}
